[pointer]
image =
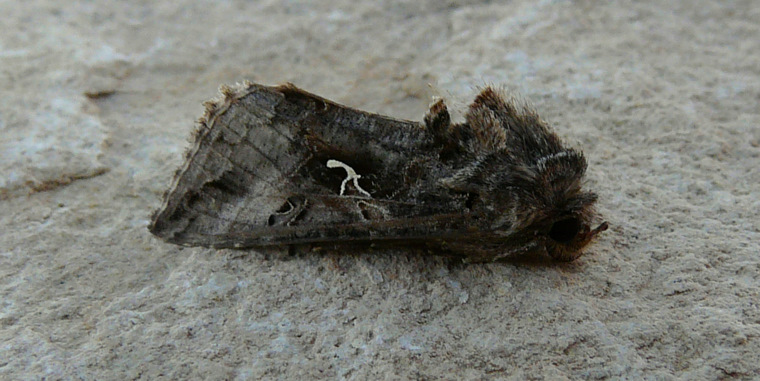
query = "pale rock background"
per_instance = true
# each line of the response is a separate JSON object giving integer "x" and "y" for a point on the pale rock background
{"x": 99, "y": 98}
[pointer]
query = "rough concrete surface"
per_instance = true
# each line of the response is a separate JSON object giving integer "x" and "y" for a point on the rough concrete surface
{"x": 99, "y": 98}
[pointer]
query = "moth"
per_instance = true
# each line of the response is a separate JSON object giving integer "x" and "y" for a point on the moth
{"x": 276, "y": 165}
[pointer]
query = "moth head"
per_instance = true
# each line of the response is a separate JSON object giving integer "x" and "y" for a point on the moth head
{"x": 567, "y": 210}
{"x": 565, "y": 237}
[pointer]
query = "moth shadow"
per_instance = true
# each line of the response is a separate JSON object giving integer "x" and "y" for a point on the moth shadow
{"x": 535, "y": 260}
{"x": 343, "y": 254}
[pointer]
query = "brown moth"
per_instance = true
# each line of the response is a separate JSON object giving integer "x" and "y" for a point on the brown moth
{"x": 280, "y": 166}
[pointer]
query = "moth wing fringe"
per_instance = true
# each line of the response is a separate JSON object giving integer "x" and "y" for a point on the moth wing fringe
{"x": 214, "y": 107}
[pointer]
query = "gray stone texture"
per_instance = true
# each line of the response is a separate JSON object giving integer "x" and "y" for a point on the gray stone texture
{"x": 99, "y": 98}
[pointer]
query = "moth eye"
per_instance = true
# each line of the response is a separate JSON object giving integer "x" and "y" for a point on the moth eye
{"x": 565, "y": 230}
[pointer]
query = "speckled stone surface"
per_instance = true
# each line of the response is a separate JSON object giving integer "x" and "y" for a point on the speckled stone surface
{"x": 99, "y": 97}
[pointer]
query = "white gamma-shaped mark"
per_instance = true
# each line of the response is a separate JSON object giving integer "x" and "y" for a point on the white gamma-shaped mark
{"x": 351, "y": 175}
